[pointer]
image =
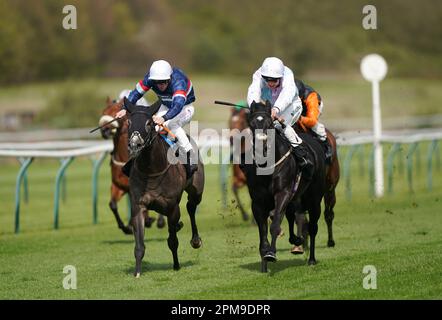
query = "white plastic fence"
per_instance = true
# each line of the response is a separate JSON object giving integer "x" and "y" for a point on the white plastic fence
{"x": 68, "y": 150}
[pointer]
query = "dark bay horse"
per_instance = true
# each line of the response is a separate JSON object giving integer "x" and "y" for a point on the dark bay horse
{"x": 284, "y": 187}
{"x": 238, "y": 121}
{"x": 120, "y": 182}
{"x": 157, "y": 183}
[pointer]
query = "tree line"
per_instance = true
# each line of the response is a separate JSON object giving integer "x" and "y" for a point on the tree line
{"x": 121, "y": 38}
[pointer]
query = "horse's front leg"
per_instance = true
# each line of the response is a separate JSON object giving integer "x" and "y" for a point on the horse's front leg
{"x": 172, "y": 222}
{"x": 261, "y": 216}
{"x": 282, "y": 200}
{"x": 138, "y": 227}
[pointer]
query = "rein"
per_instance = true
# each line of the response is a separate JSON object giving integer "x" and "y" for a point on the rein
{"x": 148, "y": 143}
{"x": 285, "y": 156}
{"x": 156, "y": 174}
{"x": 117, "y": 136}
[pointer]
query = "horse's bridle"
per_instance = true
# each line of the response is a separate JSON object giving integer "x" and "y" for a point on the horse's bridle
{"x": 272, "y": 126}
{"x": 149, "y": 141}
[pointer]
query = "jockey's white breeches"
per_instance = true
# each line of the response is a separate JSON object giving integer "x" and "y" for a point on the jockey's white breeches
{"x": 290, "y": 115}
{"x": 319, "y": 128}
{"x": 176, "y": 123}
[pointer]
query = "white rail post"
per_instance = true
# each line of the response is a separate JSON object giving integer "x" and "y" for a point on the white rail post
{"x": 374, "y": 69}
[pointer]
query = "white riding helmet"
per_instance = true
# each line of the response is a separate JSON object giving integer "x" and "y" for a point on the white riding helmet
{"x": 272, "y": 67}
{"x": 160, "y": 70}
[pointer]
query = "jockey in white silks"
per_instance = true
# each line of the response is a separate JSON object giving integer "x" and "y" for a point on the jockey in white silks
{"x": 275, "y": 82}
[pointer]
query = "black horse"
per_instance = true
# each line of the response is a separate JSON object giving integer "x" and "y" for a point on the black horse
{"x": 284, "y": 188}
{"x": 157, "y": 184}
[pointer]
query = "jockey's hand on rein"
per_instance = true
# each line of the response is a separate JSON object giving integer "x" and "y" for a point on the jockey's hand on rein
{"x": 275, "y": 112}
{"x": 158, "y": 120}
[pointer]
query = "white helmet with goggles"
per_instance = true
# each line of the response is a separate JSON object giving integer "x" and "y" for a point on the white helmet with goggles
{"x": 272, "y": 67}
{"x": 160, "y": 70}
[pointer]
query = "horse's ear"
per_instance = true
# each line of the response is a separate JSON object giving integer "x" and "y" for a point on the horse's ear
{"x": 155, "y": 107}
{"x": 268, "y": 104}
{"x": 128, "y": 105}
{"x": 253, "y": 106}
{"x": 108, "y": 101}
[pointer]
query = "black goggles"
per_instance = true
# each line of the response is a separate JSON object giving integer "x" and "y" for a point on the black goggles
{"x": 270, "y": 79}
{"x": 160, "y": 81}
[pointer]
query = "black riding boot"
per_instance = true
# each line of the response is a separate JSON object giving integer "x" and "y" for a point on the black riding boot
{"x": 304, "y": 162}
{"x": 191, "y": 167}
{"x": 328, "y": 151}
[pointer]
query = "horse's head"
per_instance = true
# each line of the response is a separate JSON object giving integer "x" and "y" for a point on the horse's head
{"x": 108, "y": 114}
{"x": 141, "y": 128}
{"x": 260, "y": 119}
{"x": 238, "y": 119}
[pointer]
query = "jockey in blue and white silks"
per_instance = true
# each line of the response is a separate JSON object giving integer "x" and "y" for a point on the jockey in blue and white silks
{"x": 176, "y": 92}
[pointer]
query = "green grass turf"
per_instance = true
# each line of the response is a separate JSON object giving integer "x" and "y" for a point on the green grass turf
{"x": 400, "y": 234}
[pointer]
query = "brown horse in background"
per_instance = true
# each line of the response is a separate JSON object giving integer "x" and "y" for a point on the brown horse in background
{"x": 119, "y": 156}
{"x": 238, "y": 121}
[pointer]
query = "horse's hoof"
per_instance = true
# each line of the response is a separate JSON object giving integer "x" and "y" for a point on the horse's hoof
{"x": 196, "y": 243}
{"x": 137, "y": 275}
{"x": 330, "y": 243}
{"x": 179, "y": 226}
{"x": 297, "y": 250}
{"x": 176, "y": 268}
{"x": 161, "y": 223}
{"x": 245, "y": 217}
{"x": 311, "y": 262}
{"x": 148, "y": 222}
{"x": 270, "y": 256}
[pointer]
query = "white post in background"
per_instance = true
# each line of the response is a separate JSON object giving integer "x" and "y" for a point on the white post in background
{"x": 374, "y": 69}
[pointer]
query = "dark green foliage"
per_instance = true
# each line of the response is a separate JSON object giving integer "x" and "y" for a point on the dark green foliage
{"x": 120, "y": 38}
{"x": 72, "y": 107}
